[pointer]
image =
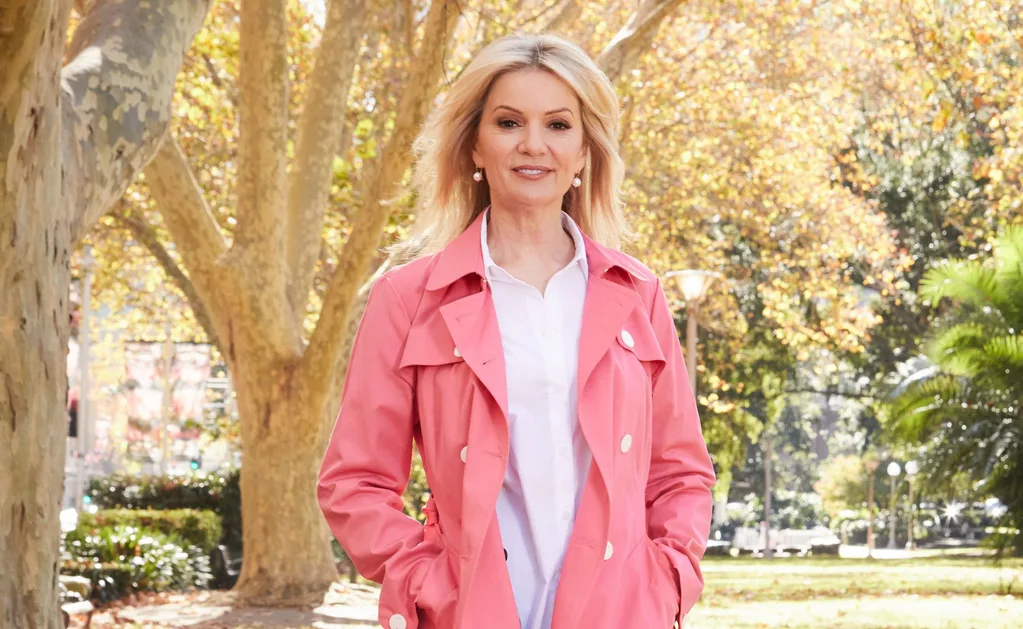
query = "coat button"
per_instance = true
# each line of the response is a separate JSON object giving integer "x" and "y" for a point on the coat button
{"x": 464, "y": 454}
{"x": 458, "y": 354}
{"x": 397, "y": 621}
{"x": 626, "y": 443}
{"x": 627, "y": 339}
{"x": 608, "y": 551}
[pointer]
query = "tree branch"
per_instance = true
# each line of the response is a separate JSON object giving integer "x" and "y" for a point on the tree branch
{"x": 22, "y": 23}
{"x": 146, "y": 236}
{"x": 568, "y": 13}
{"x": 635, "y": 37}
{"x": 832, "y": 393}
{"x": 329, "y": 339}
{"x": 319, "y": 139}
{"x": 262, "y": 145}
{"x": 179, "y": 197}
{"x": 117, "y": 93}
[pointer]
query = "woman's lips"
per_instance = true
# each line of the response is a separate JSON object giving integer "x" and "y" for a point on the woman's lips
{"x": 532, "y": 174}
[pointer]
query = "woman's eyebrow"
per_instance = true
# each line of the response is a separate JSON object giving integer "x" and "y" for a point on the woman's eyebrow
{"x": 551, "y": 112}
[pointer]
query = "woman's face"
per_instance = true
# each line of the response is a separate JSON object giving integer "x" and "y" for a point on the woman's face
{"x": 530, "y": 142}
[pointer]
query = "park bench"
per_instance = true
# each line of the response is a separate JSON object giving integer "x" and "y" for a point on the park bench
{"x": 225, "y": 567}
{"x": 74, "y": 598}
{"x": 820, "y": 540}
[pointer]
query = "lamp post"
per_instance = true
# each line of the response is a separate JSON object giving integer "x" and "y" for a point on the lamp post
{"x": 694, "y": 286}
{"x": 871, "y": 465}
{"x": 911, "y": 469}
{"x": 893, "y": 473}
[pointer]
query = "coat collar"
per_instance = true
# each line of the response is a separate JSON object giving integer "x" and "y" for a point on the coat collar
{"x": 464, "y": 256}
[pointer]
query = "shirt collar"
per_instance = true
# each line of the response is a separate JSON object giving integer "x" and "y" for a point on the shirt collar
{"x": 566, "y": 221}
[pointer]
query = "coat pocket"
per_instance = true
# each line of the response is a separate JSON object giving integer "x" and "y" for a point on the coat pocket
{"x": 648, "y": 598}
{"x": 438, "y": 594}
{"x": 663, "y": 569}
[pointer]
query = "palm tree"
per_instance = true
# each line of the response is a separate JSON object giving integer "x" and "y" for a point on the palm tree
{"x": 966, "y": 405}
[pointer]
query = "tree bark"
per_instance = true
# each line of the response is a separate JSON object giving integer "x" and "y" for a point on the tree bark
{"x": 319, "y": 140}
{"x": 629, "y": 44}
{"x": 70, "y": 142}
{"x": 287, "y": 555}
{"x": 35, "y": 240}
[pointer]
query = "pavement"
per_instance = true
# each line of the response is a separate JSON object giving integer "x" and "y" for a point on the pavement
{"x": 345, "y": 606}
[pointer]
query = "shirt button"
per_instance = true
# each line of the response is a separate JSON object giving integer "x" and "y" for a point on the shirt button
{"x": 458, "y": 354}
{"x": 464, "y": 454}
{"x": 626, "y": 443}
{"x": 566, "y": 516}
{"x": 608, "y": 551}
{"x": 397, "y": 621}
{"x": 563, "y": 451}
{"x": 627, "y": 339}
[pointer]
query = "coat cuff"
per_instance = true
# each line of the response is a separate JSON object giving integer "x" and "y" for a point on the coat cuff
{"x": 401, "y": 585}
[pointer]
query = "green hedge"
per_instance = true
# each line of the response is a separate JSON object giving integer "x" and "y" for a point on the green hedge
{"x": 193, "y": 527}
{"x": 121, "y": 559}
{"x": 110, "y": 581}
{"x": 216, "y": 492}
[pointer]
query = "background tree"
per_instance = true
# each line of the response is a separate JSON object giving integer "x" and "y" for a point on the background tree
{"x": 72, "y": 136}
{"x": 968, "y": 407}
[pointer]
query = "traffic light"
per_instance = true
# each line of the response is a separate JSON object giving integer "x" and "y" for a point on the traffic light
{"x": 195, "y": 463}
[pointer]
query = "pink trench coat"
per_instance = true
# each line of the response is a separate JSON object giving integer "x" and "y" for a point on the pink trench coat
{"x": 427, "y": 365}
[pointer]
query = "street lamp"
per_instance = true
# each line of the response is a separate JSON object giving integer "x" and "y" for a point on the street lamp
{"x": 694, "y": 287}
{"x": 911, "y": 469}
{"x": 893, "y": 473}
{"x": 871, "y": 465}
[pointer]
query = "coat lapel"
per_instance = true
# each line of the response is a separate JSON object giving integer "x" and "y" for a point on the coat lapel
{"x": 472, "y": 324}
{"x": 608, "y": 304}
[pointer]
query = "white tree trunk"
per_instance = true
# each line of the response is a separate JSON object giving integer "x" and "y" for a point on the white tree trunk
{"x": 35, "y": 240}
{"x": 70, "y": 142}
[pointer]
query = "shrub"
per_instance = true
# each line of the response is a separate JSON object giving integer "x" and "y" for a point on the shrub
{"x": 219, "y": 493}
{"x": 122, "y": 559}
{"x": 790, "y": 510}
{"x": 193, "y": 527}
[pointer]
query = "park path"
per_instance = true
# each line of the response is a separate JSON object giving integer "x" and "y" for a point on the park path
{"x": 345, "y": 606}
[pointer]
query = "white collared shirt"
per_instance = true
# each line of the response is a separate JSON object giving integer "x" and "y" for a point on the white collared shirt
{"x": 549, "y": 456}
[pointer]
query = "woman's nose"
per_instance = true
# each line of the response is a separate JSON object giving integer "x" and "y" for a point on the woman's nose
{"x": 533, "y": 142}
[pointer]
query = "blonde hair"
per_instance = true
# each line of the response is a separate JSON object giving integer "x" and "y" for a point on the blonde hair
{"x": 449, "y": 200}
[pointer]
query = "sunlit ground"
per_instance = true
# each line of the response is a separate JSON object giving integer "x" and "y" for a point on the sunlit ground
{"x": 800, "y": 592}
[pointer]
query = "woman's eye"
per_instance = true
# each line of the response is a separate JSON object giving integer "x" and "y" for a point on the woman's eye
{"x": 506, "y": 123}
{"x": 560, "y": 126}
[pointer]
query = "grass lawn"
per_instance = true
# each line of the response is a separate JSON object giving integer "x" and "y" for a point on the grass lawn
{"x": 817, "y": 592}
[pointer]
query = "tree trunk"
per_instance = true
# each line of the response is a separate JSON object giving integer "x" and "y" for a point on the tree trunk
{"x": 35, "y": 240}
{"x": 71, "y": 140}
{"x": 288, "y": 559}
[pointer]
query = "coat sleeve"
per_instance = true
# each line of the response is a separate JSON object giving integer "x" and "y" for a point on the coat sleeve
{"x": 366, "y": 466}
{"x": 678, "y": 498}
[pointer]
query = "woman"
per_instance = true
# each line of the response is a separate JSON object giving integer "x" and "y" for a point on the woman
{"x": 537, "y": 369}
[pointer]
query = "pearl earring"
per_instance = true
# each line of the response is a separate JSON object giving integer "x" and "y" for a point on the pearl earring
{"x": 478, "y": 175}
{"x": 577, "y": 182}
